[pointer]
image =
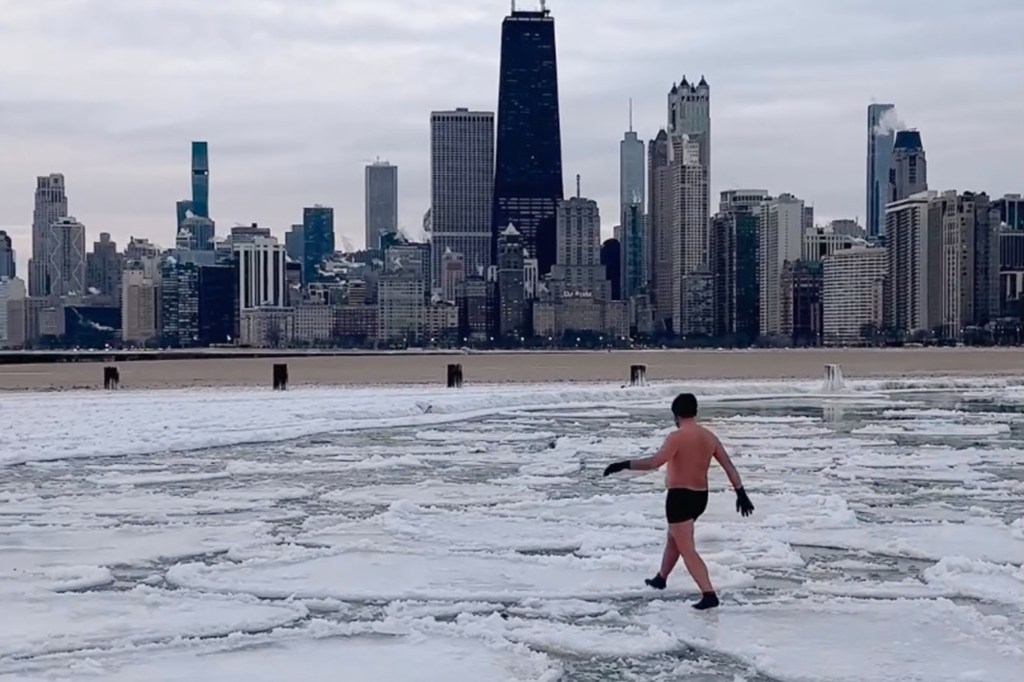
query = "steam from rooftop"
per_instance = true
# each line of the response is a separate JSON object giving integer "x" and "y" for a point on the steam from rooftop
{"x": 890, "y": 123}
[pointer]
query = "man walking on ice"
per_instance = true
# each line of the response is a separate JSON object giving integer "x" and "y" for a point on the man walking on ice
{"x": 688, "y": 452}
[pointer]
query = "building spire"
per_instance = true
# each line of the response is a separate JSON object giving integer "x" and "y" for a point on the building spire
{"x": 578, "y": 193}
{"x": 630, "y": 114}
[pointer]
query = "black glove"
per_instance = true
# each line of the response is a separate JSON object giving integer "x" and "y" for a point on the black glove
{"x": 616, "y": 467}
{"x": 743, "y": 504}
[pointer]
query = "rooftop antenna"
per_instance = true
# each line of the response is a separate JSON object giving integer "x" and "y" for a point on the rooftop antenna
{"x": 578, "y": 194}
{"x": 630, "y": 114}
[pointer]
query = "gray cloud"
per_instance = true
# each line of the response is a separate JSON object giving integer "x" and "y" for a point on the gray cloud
{"x": 295, "y": 97}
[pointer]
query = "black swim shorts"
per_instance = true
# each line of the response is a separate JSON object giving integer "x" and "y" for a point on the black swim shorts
{"x": 683, "y": 504}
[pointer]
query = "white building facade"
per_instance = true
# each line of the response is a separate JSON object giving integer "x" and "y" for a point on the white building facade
{"x": 852, "y": 294}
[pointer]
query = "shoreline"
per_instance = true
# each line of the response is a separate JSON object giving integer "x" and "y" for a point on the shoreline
{"x": 394, "y": 368}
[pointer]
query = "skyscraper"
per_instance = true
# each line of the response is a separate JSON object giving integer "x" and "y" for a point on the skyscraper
{"x": 578, "y": 270}
{"x": 381, "y": 202}
{"x": 970, "y": 262}
{"x": 1011, "y": 211}
{"x": 631, "y": 171}
{"x": 781, "y": 233}
{"x": 103, "y": 268}
{"x": 295, "y": 243}
{"x": 689, "y": 113}
{"x": 65, "y": 257}
{"x": 611, "y": 259}
{"x": 193, "y": 215}
{"x": 511, "y": 318}
{"x": 634, "y": 272}
{"x": 734, "y": 247}
{"x": 909, "y": 172}
{"x": 51, "y": 204}
{"x": 679, "y": 162}
{"x": 913, "y": 286}
{"x": 852, "y": 292}
{"x": 633, "y": 231}
{"x": 659, "y": 224}
{"x": 261, "y": 274}
{"x": 881, "y": 136}
{"x": 200, "y": 180}
{"x": 688, "y": 235}
{"x": 528, "y": 170}
{"x": 7, "y": 268}
{"x": 317, "y": 239}
{"x": 461, "y": 189}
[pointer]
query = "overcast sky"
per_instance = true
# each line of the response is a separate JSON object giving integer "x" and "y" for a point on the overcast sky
{"x": 296, "y": 96}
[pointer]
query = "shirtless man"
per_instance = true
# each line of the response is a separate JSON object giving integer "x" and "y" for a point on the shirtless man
{"x": 688, "y": 452}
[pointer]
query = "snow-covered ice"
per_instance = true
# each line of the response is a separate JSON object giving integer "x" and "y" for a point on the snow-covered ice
{"x": 427, "y": 534}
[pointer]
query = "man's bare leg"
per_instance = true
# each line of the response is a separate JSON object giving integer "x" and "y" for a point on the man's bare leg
{"x": 682, "y": 533}
{"x": 669, "y": 559}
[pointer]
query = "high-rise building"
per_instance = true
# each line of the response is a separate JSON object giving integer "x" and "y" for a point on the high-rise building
{"x": 453, "y": 274}
{"x": 140, "y": 301}
{"x": 820, "y": 242}
{"x": 801, "y": 302}
{"x": 679, "y": 163}
{"x": 218, "y": 309}
{"x": 913, "y": 286}
{"x": 381, "y": 202}
{"x": 688, "y": 237}
{"x": 632, "y": 190}
{"x": 51, "y": 204}
{"x": 635, "y": 251}
{"x": 193, "y": 215}
{"x": 611, "y": 259}
{"x": 200, "y": 180}
{"x": 261, "y": 274}
{"x": 781, "y": 231}
{"x": 317, "y": 239}
{"x": 528, "y": 168}
{"x": 1011, "y": 211}
{"x": 179, "y": 304}
{"x": 908, "y": 174}
{"x": 7, "y": 262}
{"x": 1011, "y": 273}
{"x": 295, "y": 243}
{"x": 659, "y": 224}
{"x": 461, "y": 188}
{"x": 103, "y": 268}
{"x": 199, "y": 233}
{"x": 881, "y": 136}
{"x": 970, "y": 262}
{"x": 734, "y": 246}
{"x": 578, "y": 268}
{"x": 11, "y": 289}
{"x": 689, "y": 113}
{"x": 511, "y": 318}
{"x": 65, "y": 257}
{"x": 853, "y": 282}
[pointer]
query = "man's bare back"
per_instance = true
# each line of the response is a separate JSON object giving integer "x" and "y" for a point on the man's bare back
{"x": 687, "y": 453}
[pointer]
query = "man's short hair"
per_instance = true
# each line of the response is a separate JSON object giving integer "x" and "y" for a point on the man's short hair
{"x": 685, "y": 406}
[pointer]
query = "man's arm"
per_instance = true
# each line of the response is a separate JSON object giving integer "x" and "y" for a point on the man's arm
{"x": 656, "y": 460}
{"x": 743, "y": 504}
{"x": 647, "y": 463}
{"x": 730, "y": 469}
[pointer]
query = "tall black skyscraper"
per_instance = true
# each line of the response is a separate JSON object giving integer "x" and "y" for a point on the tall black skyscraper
{"x": 528, "y": 168}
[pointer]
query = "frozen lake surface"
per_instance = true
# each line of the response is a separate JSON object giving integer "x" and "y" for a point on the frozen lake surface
{"x": 417, "y": 534}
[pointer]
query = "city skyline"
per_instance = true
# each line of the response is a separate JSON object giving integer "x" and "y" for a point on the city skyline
{"x": 447, "y": 57}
